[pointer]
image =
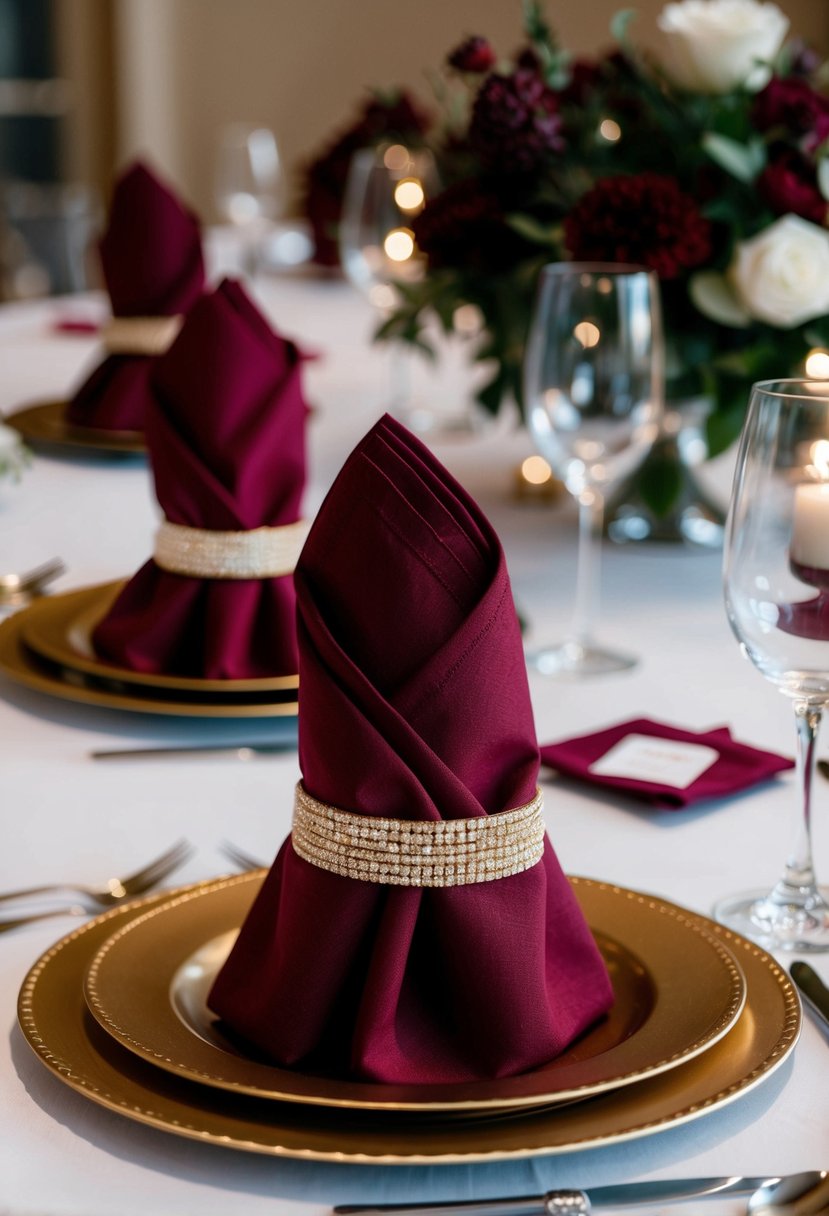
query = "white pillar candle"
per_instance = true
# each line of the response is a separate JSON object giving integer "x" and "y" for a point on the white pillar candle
{"x": 810, "y": 525}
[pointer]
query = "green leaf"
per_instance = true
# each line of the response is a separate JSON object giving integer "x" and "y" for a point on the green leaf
{"x": 660, "y": 483}
{"x": 722, "y": 427}
{"x": 744, "y": 161}
{"x": 533, "y": 230}
{"x": 620, "y": 24}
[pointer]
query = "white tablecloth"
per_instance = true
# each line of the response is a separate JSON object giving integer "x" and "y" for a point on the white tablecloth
{"x": 65, "y": 816}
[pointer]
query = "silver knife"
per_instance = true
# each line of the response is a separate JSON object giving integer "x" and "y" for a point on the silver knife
{"x": 247, "y": 751}
{"x": 571, "y": 1203}
{"x": 813, "y": 990}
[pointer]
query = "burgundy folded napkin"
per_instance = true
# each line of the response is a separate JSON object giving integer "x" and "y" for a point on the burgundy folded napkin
{"x": 226, "y": 437}
{"x": 667, "y": 773}
{"x": 414, "y": 706}
{"x": 151, "y": 256}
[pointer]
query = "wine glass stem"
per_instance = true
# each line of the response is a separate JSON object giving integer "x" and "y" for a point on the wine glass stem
{"x": 588, "y": 567}
{"x": 799, "y": 874}
{"x": 399, "y": 380}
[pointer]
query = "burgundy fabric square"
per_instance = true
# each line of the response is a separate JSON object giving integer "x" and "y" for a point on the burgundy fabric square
{"x": 737, "y": 766}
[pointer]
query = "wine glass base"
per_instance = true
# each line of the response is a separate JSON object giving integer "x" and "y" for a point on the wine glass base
{"x": 776, "y": 924}
{"x": 573, "y": 661}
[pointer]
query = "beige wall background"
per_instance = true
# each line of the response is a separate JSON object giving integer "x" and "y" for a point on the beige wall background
{"x": 158, "y": 78}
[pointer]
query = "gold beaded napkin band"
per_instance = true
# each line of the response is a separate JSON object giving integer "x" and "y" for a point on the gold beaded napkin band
{"x": 414, "y": 852}
{"x": 140, "y": 335}
{"x": 258, "y": 553}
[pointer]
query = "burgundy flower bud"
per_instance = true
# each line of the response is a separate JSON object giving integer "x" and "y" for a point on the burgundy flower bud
{"x": 788, "y": 102}
{"x": 789, "y": 186}
{"x": 473, "y": 55}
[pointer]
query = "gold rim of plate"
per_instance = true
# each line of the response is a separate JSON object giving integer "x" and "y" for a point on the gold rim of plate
{"x": 59, "y": 628}
{"x": 44, "y": 422}
{"x": 22, "y": 666}
{"x": 678, "y": 991}
{"x": 55, "y": 1022}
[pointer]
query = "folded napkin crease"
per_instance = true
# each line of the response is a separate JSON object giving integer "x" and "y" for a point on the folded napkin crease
{"x": 414, "y": 706}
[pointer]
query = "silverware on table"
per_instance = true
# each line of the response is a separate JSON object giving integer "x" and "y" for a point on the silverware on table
{"x": 764, "y": 1192}
{"x": 113, "y": 891}
{"x": 240, "y": 857}
{"x": 14, "y": 588}
{"x": 248, "y": 751}
{"x": 813, "y": 990}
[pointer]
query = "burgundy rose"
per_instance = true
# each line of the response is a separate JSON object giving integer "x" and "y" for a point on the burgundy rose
{"x": 515, "y": 123}
{"x": 584, "y": 78}
{"x": 464, "y": 226}
{"x": 789, "y": 185}
{"x": 475, "y": 54}
{"x": 789, "y": 102}
{"x": 644, "y": 219}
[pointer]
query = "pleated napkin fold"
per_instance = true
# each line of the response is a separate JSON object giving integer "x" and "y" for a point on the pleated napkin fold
{"x": 414, "y": 706}
{"x": 226, "y": 437}
{"x": 657, "y": 771}
{"x": 151, "y": 256}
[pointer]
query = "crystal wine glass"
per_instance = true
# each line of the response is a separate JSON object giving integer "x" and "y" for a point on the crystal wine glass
{"x": 249, "y": 185}
{"x": 386, "y": 188}
{"x": 776, "y": 575}
{"x": 593, "y": 386}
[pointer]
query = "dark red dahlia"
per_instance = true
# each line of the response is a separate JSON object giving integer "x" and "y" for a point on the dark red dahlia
{"x": 475, "y": 54}
{"x": 464, "y": 226}
{"x": 644, "y": 219}
{"x": 788, "y": 184}
{"x": 789, "y": 102}
{"x": 515, "y": 125}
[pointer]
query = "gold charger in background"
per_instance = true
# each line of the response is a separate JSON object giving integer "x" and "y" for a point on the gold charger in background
{"x": 45, "y": 423}
{"x": 22, "y": 666}
{"x": 57, "y": 1025}
{"x": 60, "y": 627}
{"x": 678, "y": 991}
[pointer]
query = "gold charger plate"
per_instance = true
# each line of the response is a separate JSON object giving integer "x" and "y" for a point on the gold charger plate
{"x": 678, "y": 991}
{"x": 44, "y": 422}
{"x": 59, "y": 1028}
{"x": 59, "y": 628}
{"x": 21, "y": 665}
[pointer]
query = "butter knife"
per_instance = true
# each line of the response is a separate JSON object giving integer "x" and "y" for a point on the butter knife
{"x": 242, "y": 751}
{"x": 569, "y": 1202}
{"x": 813, "y": 990}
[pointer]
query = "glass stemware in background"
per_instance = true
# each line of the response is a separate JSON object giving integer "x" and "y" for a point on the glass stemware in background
{"x": 593, "y": 386}
{"x": 776, "y": 575}
{"x": 386, "y": 188}
{"x": 249, "y": 186}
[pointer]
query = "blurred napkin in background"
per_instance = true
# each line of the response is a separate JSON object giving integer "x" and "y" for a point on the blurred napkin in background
{"x": 664, "y": 765}
{"x": 226, "y": 437}
{"x": 151, "y": 256}
{"x": 414, "y": 706}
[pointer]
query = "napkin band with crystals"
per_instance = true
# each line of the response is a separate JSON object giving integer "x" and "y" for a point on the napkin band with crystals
{"x": 258, "y": 553}
{"x": 140, "y": 335}
{"x": 415, "y": 852}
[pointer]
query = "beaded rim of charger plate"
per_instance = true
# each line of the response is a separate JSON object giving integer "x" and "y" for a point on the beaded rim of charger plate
{"x": 418, "y": 853}
{"x": 202, "y": 553}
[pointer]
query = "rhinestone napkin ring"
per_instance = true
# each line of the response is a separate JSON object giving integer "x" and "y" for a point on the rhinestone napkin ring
{"x": 140, "y": 335}
{"x": 200, "y": 553}
{"x": 414, "y": 852}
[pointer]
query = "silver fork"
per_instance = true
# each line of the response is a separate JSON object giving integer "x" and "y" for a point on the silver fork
{"x": 15, "y": 586}
{"x": 114, "y": 891}
{"x": 245, "y": 861}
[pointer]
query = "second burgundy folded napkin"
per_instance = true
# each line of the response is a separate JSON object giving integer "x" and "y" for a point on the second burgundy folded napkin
{"x": 405, "y": 962}
{"x": 226, "y": 435}
{"x": 151, "y": 255}
{"x": 703, "y": 765}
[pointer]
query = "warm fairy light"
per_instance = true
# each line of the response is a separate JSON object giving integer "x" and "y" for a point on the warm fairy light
{"x": 467, "y": 319}
{"x": 382, "y": 296}
{"x": 610, "y": 130}
{"x": 396, "y": 157}
{"x": 819, "y": 456}
{"x": 536, "y": 471}
{"x": 587, "y": 334}
{"x": 409, "y": 194}
{"x": 399, "y": 245}
{"x": 817, "y": 365}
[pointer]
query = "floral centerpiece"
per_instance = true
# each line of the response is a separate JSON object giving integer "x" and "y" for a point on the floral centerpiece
{"x": 707, "y": 163}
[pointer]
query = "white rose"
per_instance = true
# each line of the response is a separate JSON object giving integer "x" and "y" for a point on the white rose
{"x": 781, "y": 276}
{"x": 715, "y": 45}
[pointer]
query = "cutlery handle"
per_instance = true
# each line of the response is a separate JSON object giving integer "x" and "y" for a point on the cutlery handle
{"x": 556, "y": 1203}
{"x": 18, "y": 922}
